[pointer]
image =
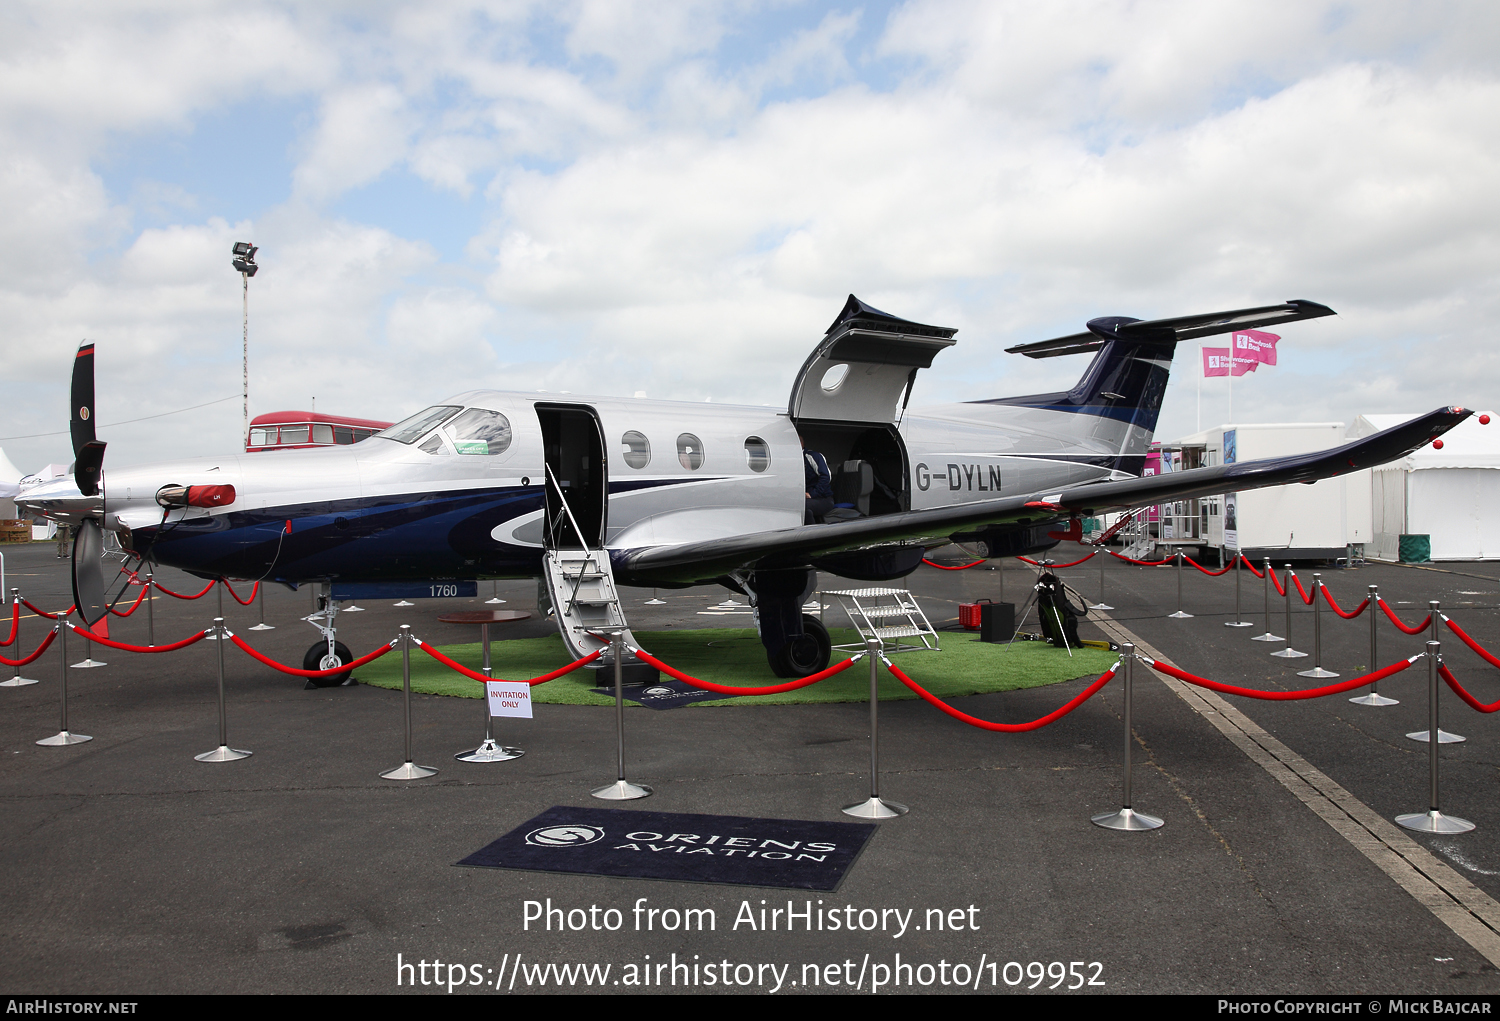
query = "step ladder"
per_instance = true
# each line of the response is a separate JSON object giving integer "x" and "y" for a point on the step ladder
{"x": 889, "y": 614}
{"x": 581, "y": 584}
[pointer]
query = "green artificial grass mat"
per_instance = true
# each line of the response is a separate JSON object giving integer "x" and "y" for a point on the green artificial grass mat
{"x": 734, "y": 656}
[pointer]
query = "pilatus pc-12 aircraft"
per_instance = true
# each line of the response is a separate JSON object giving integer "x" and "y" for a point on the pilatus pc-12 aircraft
{"x": 591, "y": 492}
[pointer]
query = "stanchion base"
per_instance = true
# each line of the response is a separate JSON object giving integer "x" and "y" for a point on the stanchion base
{"x": 1241, "y": 623}
{"x": 1289, "y": 653}
{"x": 497, "y": 599}
{"x": 223, "y": 753}
{"x": 1443, "y": 737}
{"x": 353, "y": 609}
{"x": 408, "y": 771}
{"x": 1126, "y": 819}
{"x": 1100, "y": 606}
{"x": 88, "y": 664}
{"x": 1316, "y": 671}
{"x": 1179, "y": 615}
{"x": 875, "y": 808}
{"x": 622, "y": 790}
{"x": 490, "y": 751}
{"x": 403, "y": 603}
{"x": 1374, "y": 699}
{"x": 63, "y": 737}
{"x": 262, "y": 627}
{"x": 18, "y": 682}
{"x": 1434, "y": 822}
{"x": 663, "y": 602}
{"x": 1268, "y": 637}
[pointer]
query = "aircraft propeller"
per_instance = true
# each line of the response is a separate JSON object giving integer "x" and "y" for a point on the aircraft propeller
{"x": 89, "y": 593}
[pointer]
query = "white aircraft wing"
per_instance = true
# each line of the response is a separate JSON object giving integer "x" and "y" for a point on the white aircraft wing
{"x": 702, "y": 561}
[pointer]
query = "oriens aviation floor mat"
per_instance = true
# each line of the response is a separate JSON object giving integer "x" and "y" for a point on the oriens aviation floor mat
{"x": 667, "y": 693}
{"x": 788, "y": 853}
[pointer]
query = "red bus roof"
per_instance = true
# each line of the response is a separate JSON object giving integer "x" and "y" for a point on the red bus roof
{"x": 299, "y": 417}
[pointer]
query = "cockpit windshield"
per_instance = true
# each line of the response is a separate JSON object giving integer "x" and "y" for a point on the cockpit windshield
{"x": 409, "y": 430}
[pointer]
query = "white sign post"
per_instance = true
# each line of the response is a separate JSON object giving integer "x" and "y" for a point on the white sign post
{"x": 507, "y": 698}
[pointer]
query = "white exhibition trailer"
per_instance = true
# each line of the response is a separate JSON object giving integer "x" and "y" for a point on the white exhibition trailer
{"x": 1318, "y": 521}
{"x": 1451, "y": 495}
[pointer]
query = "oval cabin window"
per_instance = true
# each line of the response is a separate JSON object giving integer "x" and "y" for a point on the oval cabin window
{"x": 757, "y": 454}
{"x": 637, "y": 449}
{"x": 690, "y": 451}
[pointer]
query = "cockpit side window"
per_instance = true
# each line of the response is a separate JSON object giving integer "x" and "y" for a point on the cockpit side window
{"x": 433, "y": 445}
{"x": 478, "y": 431}
{"x": 414, "y": 428}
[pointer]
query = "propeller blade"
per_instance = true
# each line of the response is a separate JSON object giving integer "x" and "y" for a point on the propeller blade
{"x": 88, "y": 451}
{"x": 88, "y": 577}
{"x": 82, "y": 424}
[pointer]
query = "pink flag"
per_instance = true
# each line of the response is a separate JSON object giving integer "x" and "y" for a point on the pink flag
{"x": 1216, "y": 361}
{"x": 1255, "y": 345}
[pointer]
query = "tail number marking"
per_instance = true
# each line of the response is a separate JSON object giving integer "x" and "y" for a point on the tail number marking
{"x": 967, "y": 477}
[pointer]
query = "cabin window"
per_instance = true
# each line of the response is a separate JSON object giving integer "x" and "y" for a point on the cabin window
{"x": 690, "y": 451}
{"x": 364, "y": 434}
{"x": 414, "y": 428}
{"x": 478, "y": 431}
{"x": 322, "y": 434}
{"x": 293, "y": 434}
{"x": 433, "y": 445}
{"x": 262, "y": 437}
{"x": 757, "y": 454}
{"x": 342, "y": 434}
{"x": 637, "y": 450}
{"x": 834, "y": 377}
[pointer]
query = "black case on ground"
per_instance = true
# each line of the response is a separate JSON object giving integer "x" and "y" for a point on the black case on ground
{"x": 997, "y": 622}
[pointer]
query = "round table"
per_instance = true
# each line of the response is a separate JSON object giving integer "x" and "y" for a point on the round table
{"x": 488, "y": 750}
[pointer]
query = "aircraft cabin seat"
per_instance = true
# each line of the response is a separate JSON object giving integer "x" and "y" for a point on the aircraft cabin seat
{"x": 852, "y": 485}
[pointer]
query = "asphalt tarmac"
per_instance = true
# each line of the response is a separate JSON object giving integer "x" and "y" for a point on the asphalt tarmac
{"x": 131, "y": 868}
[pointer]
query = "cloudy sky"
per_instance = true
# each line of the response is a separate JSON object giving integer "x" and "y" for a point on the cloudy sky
{"x": 608, "y": 196}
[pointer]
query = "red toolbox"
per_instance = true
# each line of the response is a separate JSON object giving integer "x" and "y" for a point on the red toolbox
{"x": 968, "y": 615}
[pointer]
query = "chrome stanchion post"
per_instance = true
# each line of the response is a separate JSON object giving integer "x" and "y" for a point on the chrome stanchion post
{"x": 1266, "y": 583}
{"x": 1179, "y": 612}
{"x": 260, "y": 592}
{"x": 219, "y": 592}
{"x": 873, "y": 807}
{"x": 150, "y": 610}
{"x": 17, "y": 681}
{"x": 1374, "y": 698}
{"x": 1237, "y": 622}
{"x": 1432, "y": 820}
{"x": 1127, "y": 818}
{"x": 1101, "y": 604}
{"x": 622, "y": 789}
{"x": 223, "y": 753}
{"x": 1288, "y": 585}
{"x": 408, "y": 770}
{"x": 1443, "y": 736}
{"x": 63, "y": 736}
{"x": 1318, "y": 598}
{"x": 489, "y": 750}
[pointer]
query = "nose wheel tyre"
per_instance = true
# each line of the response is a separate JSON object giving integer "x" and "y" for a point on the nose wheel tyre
{"x": 317, "y": 658}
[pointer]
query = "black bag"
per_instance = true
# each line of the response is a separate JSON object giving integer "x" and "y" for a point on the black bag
{"x": 1059, "y": 616}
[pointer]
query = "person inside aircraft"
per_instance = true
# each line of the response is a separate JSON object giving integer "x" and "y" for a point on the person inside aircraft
{"x": 819, "y": 489}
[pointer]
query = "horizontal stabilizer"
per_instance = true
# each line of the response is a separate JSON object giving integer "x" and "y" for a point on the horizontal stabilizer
{"x": 1172, "y": 331}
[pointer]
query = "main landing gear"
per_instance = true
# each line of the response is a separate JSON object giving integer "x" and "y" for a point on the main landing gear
{"x": 329, "y": 652}
{"x": 797, "y": 644}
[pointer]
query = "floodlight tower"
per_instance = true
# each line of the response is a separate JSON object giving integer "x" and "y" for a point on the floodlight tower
{"x": 244, "y": 262}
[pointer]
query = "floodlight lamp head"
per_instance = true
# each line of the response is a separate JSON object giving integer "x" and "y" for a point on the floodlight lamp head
{"x": 244, "y": 262}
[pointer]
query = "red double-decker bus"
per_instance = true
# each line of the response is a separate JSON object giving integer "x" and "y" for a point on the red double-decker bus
{"x": 290, "y": 430}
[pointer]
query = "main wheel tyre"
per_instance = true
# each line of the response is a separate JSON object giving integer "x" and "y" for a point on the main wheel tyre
{"x": 806, "y": 654}
{"x": 314, "y": 660}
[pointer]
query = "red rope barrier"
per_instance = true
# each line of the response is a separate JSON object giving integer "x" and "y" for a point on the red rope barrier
{"x": 1283, "y": 696}
{"x": 1396, "y": 621}
{"x": 294, "y": 671}
{"x": 1307, "y": 599}
{"x": 15, "y": 622}
{"x": 179, "y": 595}
{"x": 772, "y": 689}
{"x": 1458, "y": 689}
{"x": 1491, "y": 660}
{"x": 1258, "y": 574}
{"x": 1276, "y": 583}
{"x": 1212, "y": 574}
{"x": 40, "y": 649}
{"x": 85, "y": 633}
{"x": 1142, "y": 563}
{"x": 243, "y": 602}
{"x": 943, "y": 567}
{"x": 133, "y": 606}
{"x": 1361, "y": 608}
{"x": 1005, "y": 728}
{"x": 43, "y": 613}
{"x": 475, "y": 675}
{"x": 1056, "y": 567}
